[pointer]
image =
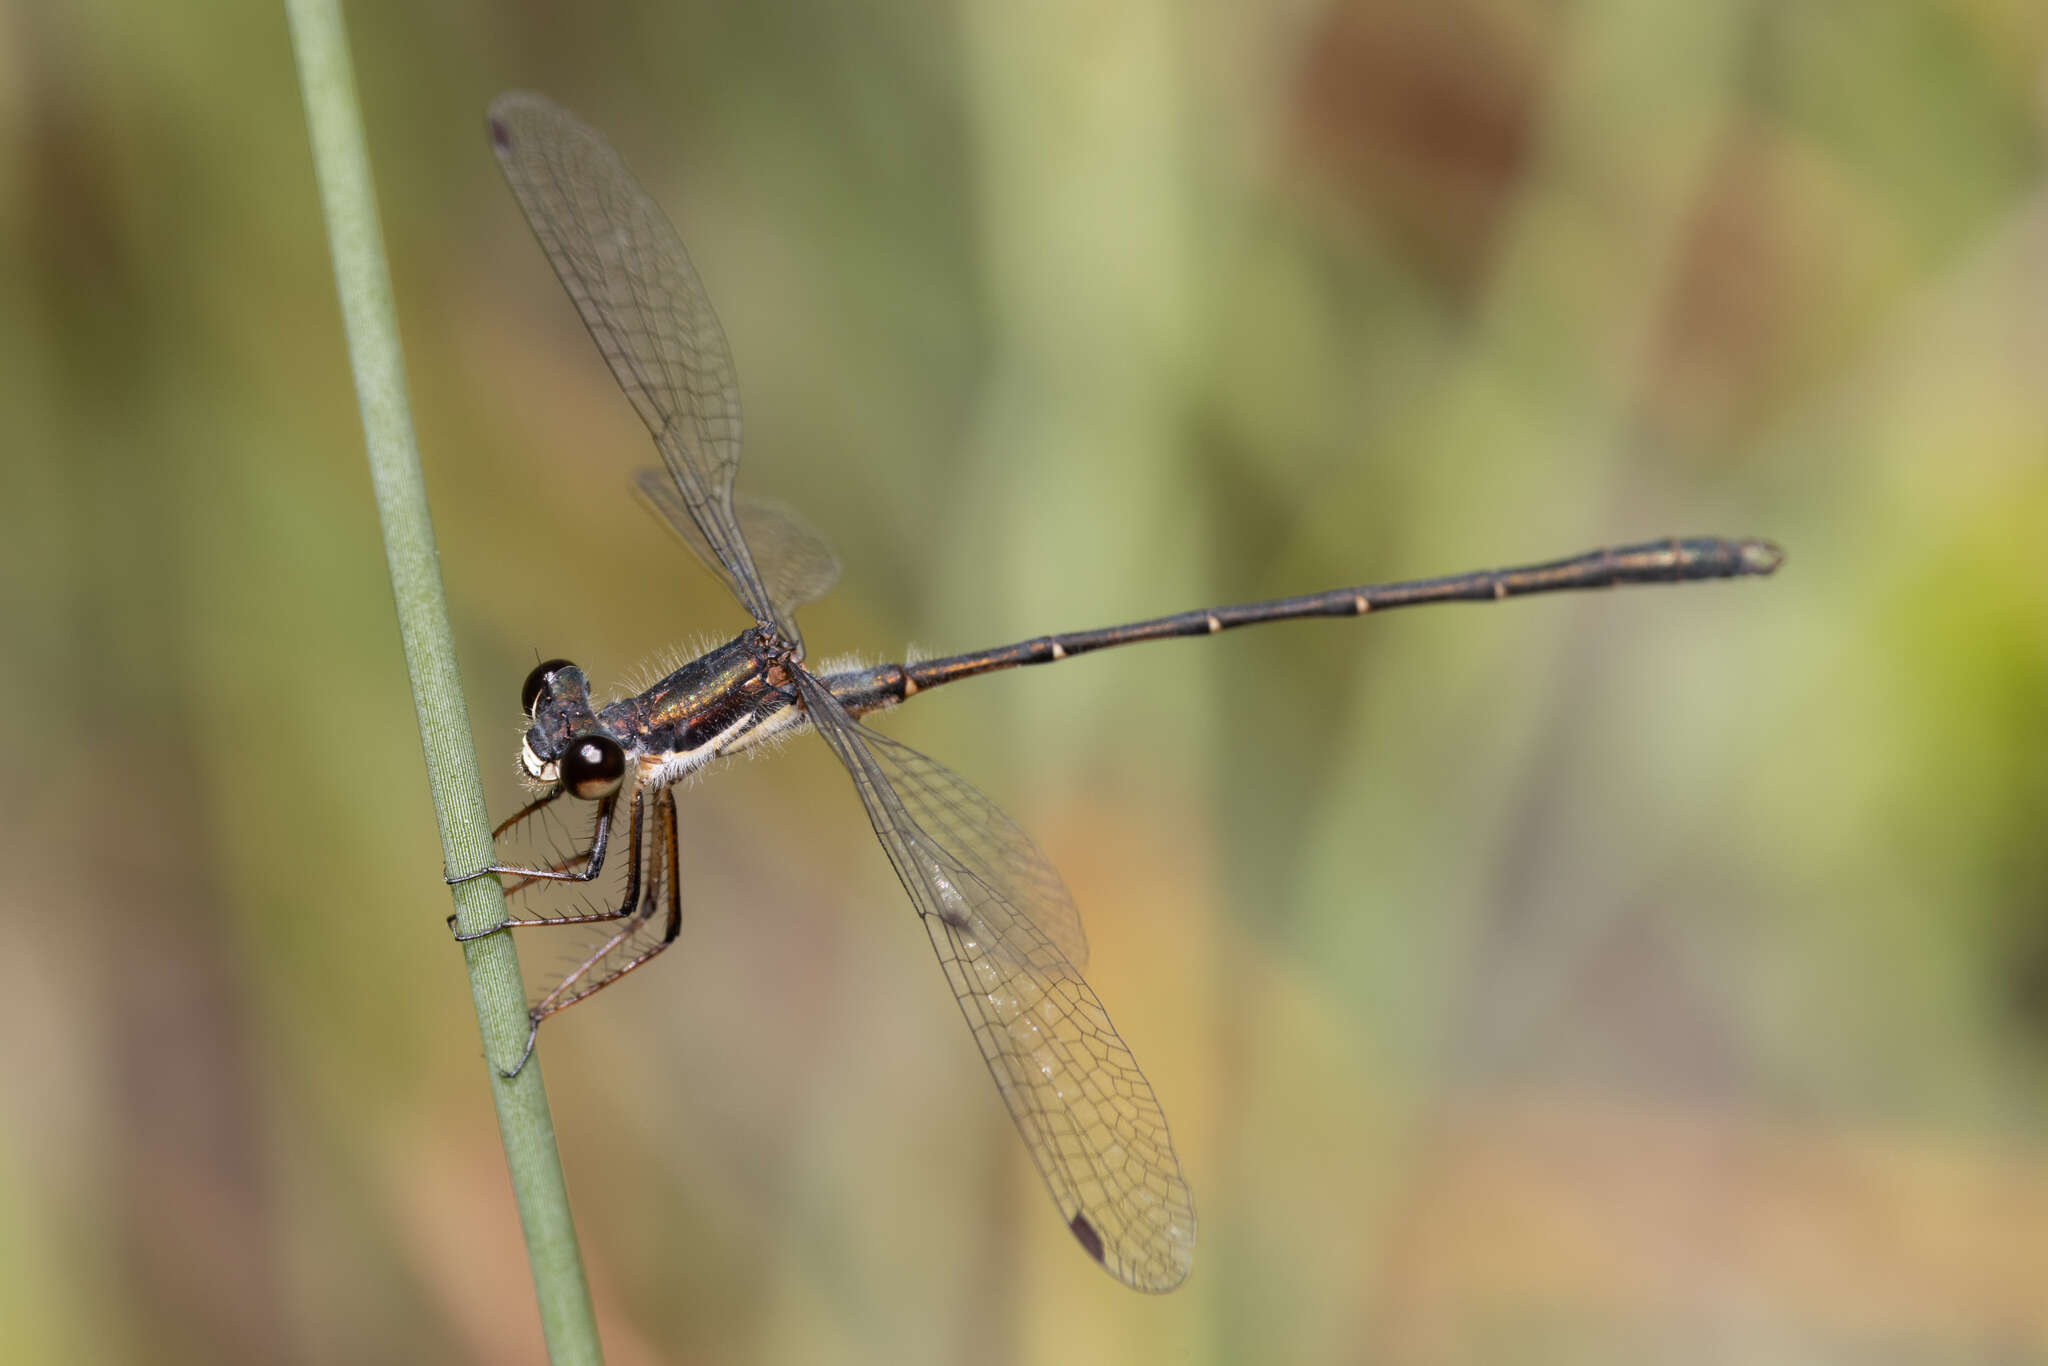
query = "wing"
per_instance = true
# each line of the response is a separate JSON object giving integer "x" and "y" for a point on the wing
{"x": 625, "y": 268}
{"x": 795, "y": 563}
{"x": 1085, "y": 1111}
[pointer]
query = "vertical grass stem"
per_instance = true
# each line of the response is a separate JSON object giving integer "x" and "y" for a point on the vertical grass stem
{"x": 362, "y": 280}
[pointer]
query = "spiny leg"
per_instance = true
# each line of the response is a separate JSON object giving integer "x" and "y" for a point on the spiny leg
{"x": 663, "y": 867}
{"x": 627, "y": 903}
{"x": 561, "y": 866}
{"x": 580, "y": 984}
{"x": 592, "y": 859}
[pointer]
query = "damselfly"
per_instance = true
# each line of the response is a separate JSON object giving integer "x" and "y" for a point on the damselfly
{"x": 1003, "y": 923}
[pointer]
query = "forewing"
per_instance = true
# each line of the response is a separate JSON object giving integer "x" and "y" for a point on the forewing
{"x": 1085, "y": 1111}
{"x": 629, "y": 276}
{"x": 794, "y": 562}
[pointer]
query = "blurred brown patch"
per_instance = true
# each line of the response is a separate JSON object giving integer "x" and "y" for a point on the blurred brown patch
{"x": 1422, "y": 116}
{"x": 1425, "y": 118}
{"x": 1720, "y": 348}
{"x": 1669, "y": 1220}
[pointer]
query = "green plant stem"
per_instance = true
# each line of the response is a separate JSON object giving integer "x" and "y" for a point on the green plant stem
{"x": 341, "y": 165}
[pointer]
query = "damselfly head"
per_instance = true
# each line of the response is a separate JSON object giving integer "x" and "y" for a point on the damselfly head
{"x": 565, "y": 744}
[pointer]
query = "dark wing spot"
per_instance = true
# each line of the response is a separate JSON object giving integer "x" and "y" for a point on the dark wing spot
{"x": 1089, "y": 1239}
{"x": 500, "y": 135}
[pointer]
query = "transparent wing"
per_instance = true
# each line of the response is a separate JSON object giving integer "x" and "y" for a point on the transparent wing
{"x": 625, "y": 268}
{"x": 1085, "y": 1111}
{"x": 795, "y": 563}
{"x": 1027, "y": 916}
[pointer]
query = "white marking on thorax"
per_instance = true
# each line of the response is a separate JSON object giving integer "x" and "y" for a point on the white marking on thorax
{"x": 661, "y": 769}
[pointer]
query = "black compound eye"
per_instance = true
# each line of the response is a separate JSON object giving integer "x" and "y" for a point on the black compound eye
{"x": 593, "y": 767}
{"x": 529, "y": 691}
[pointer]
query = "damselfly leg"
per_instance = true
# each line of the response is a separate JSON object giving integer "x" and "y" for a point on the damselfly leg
{"x": 625, "y": 949}
{"x": 647, "y": 917}
{"x": 563, "y": 869}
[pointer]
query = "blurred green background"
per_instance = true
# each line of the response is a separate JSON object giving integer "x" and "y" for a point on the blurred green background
{"x": 1651, "y": 976}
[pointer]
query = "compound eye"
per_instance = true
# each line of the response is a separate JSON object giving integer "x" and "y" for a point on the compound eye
{"x": 593, "y": 768}
{"x": 530, "y": 691}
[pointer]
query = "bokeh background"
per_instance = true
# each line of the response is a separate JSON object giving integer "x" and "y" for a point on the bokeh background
{"x": 1660, "y": 975}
